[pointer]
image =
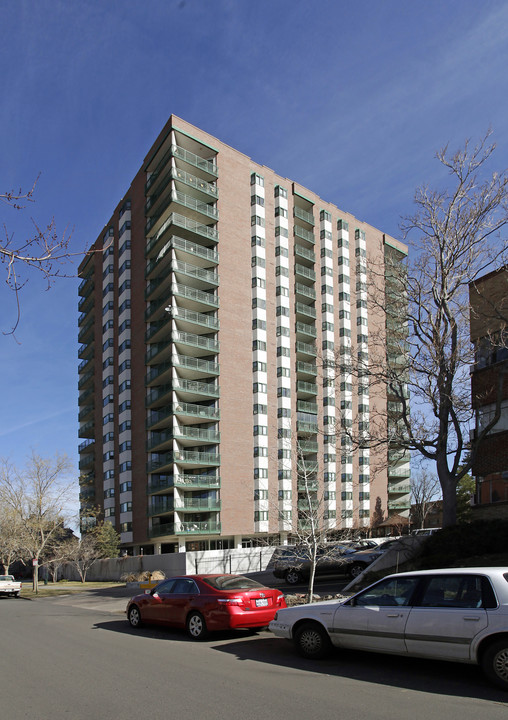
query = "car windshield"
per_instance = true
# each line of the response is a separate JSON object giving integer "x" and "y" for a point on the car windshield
{"x": 231, "y": 582}
{"x": 6, "y": 577}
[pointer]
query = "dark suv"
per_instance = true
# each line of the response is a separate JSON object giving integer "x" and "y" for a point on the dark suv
{"x": 293, "y": 564}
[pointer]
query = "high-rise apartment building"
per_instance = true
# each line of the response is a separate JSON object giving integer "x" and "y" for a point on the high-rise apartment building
{"x": 489, "y": 389}
{"x": 211, "y": 323}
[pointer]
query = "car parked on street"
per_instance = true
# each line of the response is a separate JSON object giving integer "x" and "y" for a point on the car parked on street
{"x": 294, "y": 565}
{"x": 458, "y": 614}
{"x": 204, "y": 603}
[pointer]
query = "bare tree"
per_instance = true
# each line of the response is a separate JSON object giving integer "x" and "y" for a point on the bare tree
{"x": 456, "y": 237}
{"x": 425, "y": 489}
{"x": 10, "y": 534}
{"x": 39, "y": 496}
{"x": 41, "y": 250}
{"x": 83, "y": 553}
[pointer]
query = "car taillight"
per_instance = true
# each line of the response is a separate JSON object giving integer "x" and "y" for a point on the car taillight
{"x": 231, "y": 601}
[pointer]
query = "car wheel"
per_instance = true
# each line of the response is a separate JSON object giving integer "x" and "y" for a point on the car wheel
{"x": 134, "y": 616}
{"x": 356, "y": 570}
{"x": 312, "y": 641}
{"x": 293, "y": 577}
{"x": 196, "y": 626}
{"x": 495, "y": 663}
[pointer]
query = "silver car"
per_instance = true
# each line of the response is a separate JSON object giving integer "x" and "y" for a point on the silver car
{"x": 458, "y": 614}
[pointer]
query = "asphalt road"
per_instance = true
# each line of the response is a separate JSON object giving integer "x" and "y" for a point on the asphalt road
{"x": 76, "y": 658}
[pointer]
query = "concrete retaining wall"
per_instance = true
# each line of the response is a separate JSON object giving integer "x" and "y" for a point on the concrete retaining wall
{"x": 188, "y": 563}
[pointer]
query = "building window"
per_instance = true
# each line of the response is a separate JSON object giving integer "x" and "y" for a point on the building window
{"x": 256, "y": 179}
{"x": 260, "y": 409}
{"x": 126, "y": 507}
{"x": 260, "y": 473}
{"x": 280, "y": 192}
{"x": 260, "y": 430}
{"x": 126, "y": 486}
{"x": 260, "y": 515}
{"x": 258, "y": 345}
{"x": 260, "y": 494}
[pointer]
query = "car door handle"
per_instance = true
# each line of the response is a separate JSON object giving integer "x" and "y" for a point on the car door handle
{"x": 393, "y": 615}
{"x": 472, "y": 618}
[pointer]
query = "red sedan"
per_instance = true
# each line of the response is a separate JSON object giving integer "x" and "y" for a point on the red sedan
{"x": 202, "y": 603}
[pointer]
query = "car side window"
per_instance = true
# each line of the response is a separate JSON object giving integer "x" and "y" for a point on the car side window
{"x": 165, "y": 587}
{"x": 184, "y": 587}
{"x": 458, "y": 591}
{"x": 393, "y": 591}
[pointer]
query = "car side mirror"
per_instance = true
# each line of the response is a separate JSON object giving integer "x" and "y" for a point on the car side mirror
{"x": 352, "y": 602}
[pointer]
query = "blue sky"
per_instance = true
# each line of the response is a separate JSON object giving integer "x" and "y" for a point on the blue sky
{"x": 350, "y": 99}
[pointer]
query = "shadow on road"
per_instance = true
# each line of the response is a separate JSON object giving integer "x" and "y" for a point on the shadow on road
{"x": 429, "y": 676}
{"x": 438, "y": 678}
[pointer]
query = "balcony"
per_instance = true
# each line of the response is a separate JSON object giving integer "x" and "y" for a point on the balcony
{"x": 194, "y": 368}
{"x": 197, "y": 528}
{"x": 185, "y": 318}
{"x": 206, "y": 278}
{"x": 194, "y": 345}
{"x": 305, "y": 329}
{"x": 305, "y": 291}
{"x": 208, "y": 167}
{"x": 305, "y": 272}
{"x": 197, "y": 482}
{"x": 305, "y": 368}
{"x": 310, "y": 407}
{"x": 305, "y": 310}
{"x": 306, "y": 349}
{"x": 303, "y": 234}
{"x": 187, "y": 225}
{"x": 197, "y": 299}
{"x": 305, "y": 254}
{"x": 162, "y": 506}
{"x": 303, "y": 215}
{"x": 191, "y": 504}
{"x": 399, "y": 472}
{"x": 193, "y": 387}
{"x": 399, "y": 505}
{"x": 306, "y": 388}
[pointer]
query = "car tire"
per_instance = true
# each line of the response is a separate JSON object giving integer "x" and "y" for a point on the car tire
{"x": 134, "y": 616}
{"x": 196, "y": 626}
{"x": 355, "y": 570}
{"x": 312, "y": 641}
{"x": 494, "y": 663}
{"x": 293, "y": 577}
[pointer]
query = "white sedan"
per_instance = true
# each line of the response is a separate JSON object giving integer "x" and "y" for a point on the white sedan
{"x": 450, "y": 614}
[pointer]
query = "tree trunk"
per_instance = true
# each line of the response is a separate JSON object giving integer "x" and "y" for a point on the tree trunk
{"x": 449, "y": 487}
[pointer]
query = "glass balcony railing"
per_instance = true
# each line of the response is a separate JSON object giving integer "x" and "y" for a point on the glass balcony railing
{"x": 165, "y": 505}
{"x": 307, "y": 310}
{"x": 197, "y": 318}
{"x": 200, "y": 528}
{"x": 306, "y": 368}
{"x": 209, "y": 345}
{"x": 197, "y": 505}
{"x": 305, "y": 253}
{"x": 306, "y": 329}
{"x": 207, "y": 276}
{"x": 199, "y": 296}
{"x": 305, "y": 290}
{"x": 207, "y": 367}
{"x": 195, "y": 182}
{"x": 303, "y": 215}
{"x": 184, "y": 223}
{"x": 191, "y": 482}
{"x": 305, "y": 272}
{"x": 306, "y": 348}
{"x": 304, "y": 234}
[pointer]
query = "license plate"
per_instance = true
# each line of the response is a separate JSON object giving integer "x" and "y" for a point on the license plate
{"x": 262, "y": 602}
